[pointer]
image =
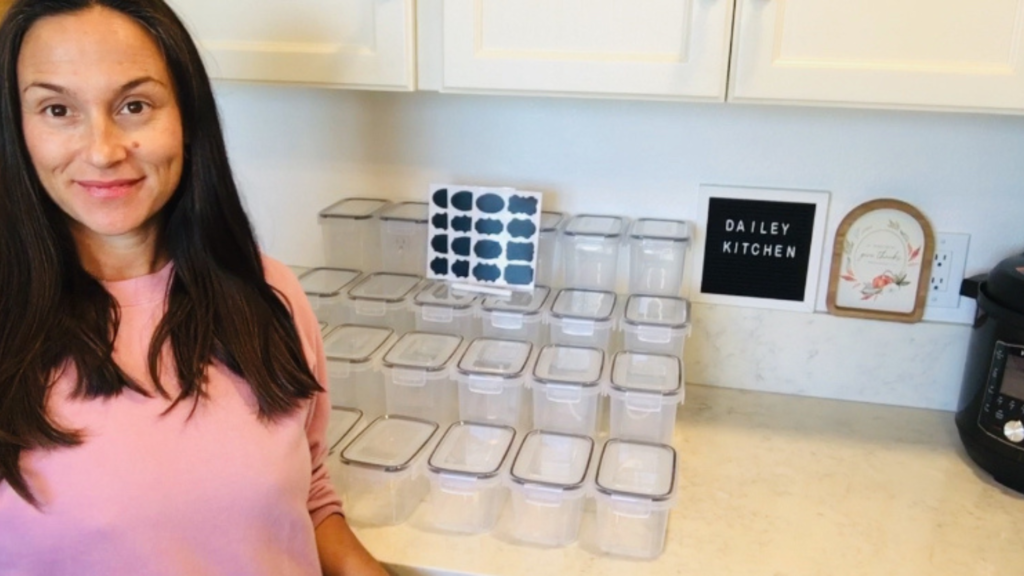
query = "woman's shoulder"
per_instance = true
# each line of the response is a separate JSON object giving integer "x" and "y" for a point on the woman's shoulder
{"x": 280, "y": 276}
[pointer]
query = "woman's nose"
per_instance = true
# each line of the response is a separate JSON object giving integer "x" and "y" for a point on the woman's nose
{"x": 107, "y": 145}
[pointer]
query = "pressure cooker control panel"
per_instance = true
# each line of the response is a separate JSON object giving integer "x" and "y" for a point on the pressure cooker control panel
{"x": 1002, "y": 408}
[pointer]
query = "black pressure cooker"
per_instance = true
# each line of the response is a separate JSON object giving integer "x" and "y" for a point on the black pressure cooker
{"x": 990, "y": 414}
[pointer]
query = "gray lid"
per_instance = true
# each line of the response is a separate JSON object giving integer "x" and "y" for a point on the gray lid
{"x": 472, "y": 449}
{"x": 526, "y": 302}
{"x": 384, "y": 287}
{"x": 409, "y": 211}
{"x": 390, "y": 443}
{"x": 576, "y": 365}
{"x": 354, "y": 208}
{"x": 327, "y": 282}
{"x": 594, "y": 225}
{"x": 496, "y": 357}
{"x": 657, "y": 229}
{"x": 341, "y": 422}
{"x": 422, "y": 351}
{"x": 578, "y": 303}
{"x": 549, "y": 221}
{"x": 641, "y": 372}
{"x": 638, "y": 469}
{"x": 553, "y": 459}
{"x": 441, "y": 294}
{"x": 666, "y": 311}
{"x": 355, "y": 343}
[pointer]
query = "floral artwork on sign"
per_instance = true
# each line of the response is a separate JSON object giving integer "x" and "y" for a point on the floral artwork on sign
{"x": 881, "y": 253}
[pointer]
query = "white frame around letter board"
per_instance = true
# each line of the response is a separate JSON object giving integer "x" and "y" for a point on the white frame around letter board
{"x": 819, "y": 198}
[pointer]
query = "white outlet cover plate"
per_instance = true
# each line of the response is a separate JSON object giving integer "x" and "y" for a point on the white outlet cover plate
{"x": 938, "y": 308}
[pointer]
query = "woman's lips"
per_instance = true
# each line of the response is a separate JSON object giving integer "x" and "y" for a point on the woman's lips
{"x": 109, "y": 189}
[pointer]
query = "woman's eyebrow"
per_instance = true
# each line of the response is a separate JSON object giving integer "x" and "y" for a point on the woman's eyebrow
{"x": 127, "y": 87}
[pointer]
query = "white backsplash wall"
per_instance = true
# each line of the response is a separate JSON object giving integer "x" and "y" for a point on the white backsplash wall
{"x": 296, "y": 150}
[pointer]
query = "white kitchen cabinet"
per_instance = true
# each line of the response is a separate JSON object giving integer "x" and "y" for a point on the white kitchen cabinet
{"x": 673, "y": 49}
{"x": 886, "y": 53}
{"x": 347, "y": 43}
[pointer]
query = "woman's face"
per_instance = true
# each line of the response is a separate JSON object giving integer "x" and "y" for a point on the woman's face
{"x": 101, "y": 122}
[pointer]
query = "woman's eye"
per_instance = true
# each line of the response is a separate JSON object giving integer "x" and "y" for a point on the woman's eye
{"x": 57, "y": 110}
{"x": 135, "y": 107}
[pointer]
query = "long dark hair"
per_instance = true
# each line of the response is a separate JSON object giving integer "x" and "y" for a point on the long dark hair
{"x": 53, "y": 314}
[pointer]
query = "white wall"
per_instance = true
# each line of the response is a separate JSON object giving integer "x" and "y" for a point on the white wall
{"x": 295, "y": 150}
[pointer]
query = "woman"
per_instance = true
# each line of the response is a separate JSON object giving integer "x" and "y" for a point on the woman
{"x": 161, "y": 399}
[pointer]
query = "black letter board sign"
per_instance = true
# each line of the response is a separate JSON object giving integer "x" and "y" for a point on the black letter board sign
{"x": 760, "y": 247}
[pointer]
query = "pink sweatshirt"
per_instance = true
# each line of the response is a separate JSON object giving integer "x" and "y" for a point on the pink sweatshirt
{"x": 152, "y": 494}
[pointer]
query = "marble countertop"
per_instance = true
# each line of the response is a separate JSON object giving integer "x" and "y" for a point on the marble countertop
{"x": 782, "y": 486}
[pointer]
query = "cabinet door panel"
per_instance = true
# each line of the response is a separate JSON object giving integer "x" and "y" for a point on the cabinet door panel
{"x": 654, "y": 48}
{"x": 355, "y": 43}
{"x": 891, "y": 53}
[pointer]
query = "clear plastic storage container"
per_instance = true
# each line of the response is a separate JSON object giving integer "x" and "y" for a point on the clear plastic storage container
{"x": 517, "y": 317}
{"x": 635, "y": 489}
{"x": 491, "y": 375}
{"x": 382, "y": 299}
{"x": 547, "y": 248}
{"x": 466, "y": 489}
{"x": 590, "y": 251}
{"x": 657, "y": 255}
{"x": 353, "y": 366}
{"x": 341, "y": 424}
{"x": 381, "y": 474}
{"x": 582, "y": 318}
{"x": 325, "y": 289}
{"x": 645, "y": 391}
{"x": 417, "y": 380}
{"x": 658, "y": 324}
{"x": 548, "y": 488}
{"x": 439, "y": 308}
{"x": 566, "y": 389}
{"x": 403, "y": 238}
{"x": 351, "y": 233}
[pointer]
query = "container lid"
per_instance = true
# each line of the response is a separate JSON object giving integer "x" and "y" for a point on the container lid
{"x": 525, "y": 302}
{"x": 323, "y": 327}
{"x": 298, "y": 269}
{"x": 638, "y": 469}
{"x": 390, "y": 443}
{"x": 341, "y": 422}
{"x": 410, "y": 211}
{"x": 558, "y": 364}
{"x": 354, "y": 342}
{"x": 657, "y": 229}
{"x": 639, "y": 372}
{"x": 423, "y": 351}
{"x": 441, "y": 294}
{"x": 354, "y": 208}
{"x": 472, "y": 449}
{"x": 583, "y": 304}
{"x": 666, "y": 311}
{"x": 384, "y": 287}
{"x": 553, "y": 459}
{"x": 327, "y": 282}
{"x": 496, "y": 357}
{"x": 550, "y": 220}
{"x": 1005, "y": 284}
{"x": 591, "y": 225}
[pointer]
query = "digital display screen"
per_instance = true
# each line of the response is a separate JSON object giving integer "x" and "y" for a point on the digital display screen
{"x": 1013, "y": 377}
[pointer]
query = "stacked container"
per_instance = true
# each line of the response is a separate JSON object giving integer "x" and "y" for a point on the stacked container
{"x": 566, "y": 386}
{"x": 646, "y": 390}
{"x": 657, "y": 324}
{"x": 325, "y": 289}
{"x": 439, "y": 308}
{"x": 547, "y": 248}
{"x": 351, "y": 233}
{"x": 403, "y": 238}
{"x": 353, "y": 357}
{"x": 381, "y": 475}
{"x": 466, "y": 493}
{"x": 491, "y": 375}
{"x": 657, "y": 256}
{"x": 340, "y": 425}
{"x": 582, "y": 318}
{"x": 381, "y": 299}
{"x": 417, "y": 378}
{"x": 635, "y": 489}
{"x": 548, "y": 488}
{"x": 517, "y": 317}
{"x": 590, "y": 251}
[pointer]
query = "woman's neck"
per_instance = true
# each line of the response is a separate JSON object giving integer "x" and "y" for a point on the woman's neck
{"x": 113, "y": 258}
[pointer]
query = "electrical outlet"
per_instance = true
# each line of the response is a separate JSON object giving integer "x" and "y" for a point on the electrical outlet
{"x": 949, "y": 263}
